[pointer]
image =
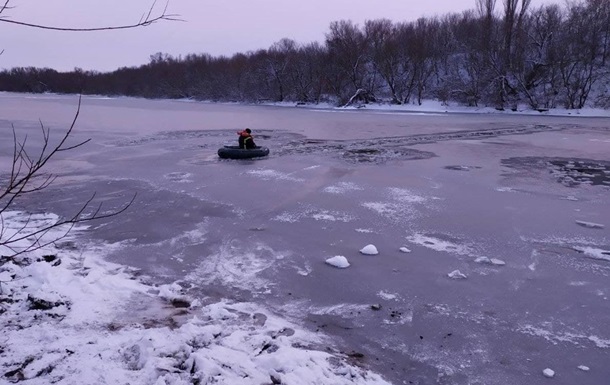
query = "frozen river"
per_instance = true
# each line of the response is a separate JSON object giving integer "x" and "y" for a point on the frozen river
{"x": 457, "y": 190}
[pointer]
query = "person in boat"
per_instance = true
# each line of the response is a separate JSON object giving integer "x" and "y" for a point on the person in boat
{"x": 246, "y": 141}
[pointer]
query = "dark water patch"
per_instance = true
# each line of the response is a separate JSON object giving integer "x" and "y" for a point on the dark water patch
{"x": 570, "y": 172}
{"x": 381, "y": 150}
{"x": 382, "y": 155}
{"x": 574, "y": 172}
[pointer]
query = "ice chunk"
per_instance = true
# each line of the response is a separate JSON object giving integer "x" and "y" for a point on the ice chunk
{"x": 594, "y": 253}
{"x": 490, "y": 261}
{"x": 369, "y": 250}
{"x": 548, "y": 373}
{"x": 338, "y": 261}
{"x": 456, "y": 274}
{"x": 590, "y": 225}
{"x": 584, "y": 368}
{"x": 405, "y": 250}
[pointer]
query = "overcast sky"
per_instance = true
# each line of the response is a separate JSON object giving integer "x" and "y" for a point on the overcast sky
{"x": 219, "y": 27}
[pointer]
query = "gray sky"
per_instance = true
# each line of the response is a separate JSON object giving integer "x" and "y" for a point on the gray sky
{"x": 220, "y": 27}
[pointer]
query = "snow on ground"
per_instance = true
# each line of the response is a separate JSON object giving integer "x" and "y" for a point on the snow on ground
{"x": 437, "y": 107}
{"x": 69, "y": 317}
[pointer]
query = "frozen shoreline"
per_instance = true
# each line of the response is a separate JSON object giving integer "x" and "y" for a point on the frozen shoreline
{"x": 427, "y": 106}
{"x": 70, "y": 317}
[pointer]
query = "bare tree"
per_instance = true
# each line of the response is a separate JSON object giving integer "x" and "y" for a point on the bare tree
{"x": 539, "y": 77}
{"x": 350, "y": 74}
{"x": 584, "y": 50}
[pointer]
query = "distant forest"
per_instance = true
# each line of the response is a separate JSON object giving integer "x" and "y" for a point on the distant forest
{"x": 501, "y": 54}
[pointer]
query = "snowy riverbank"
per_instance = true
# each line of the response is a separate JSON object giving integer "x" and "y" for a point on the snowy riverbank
{"x": 437, "y": 107}
{"x": 69, "y": 317}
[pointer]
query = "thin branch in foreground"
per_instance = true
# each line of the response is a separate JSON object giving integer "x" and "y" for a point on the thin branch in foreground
{"x": 36, "y": 239}
{"x": 27, "y": 176}
{"x": 148, "y": 20}
{"x": 4, "y": 7}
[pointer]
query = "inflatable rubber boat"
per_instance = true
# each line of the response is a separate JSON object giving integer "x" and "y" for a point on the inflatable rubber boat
{"x": 234, "y": 152}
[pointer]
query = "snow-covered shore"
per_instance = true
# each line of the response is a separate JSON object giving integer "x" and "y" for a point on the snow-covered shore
{"x": 70, "y": 317}
{"x": 437, "y": 107}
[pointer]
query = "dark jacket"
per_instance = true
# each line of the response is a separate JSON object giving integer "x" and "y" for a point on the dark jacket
{"x": 245, "y": 140}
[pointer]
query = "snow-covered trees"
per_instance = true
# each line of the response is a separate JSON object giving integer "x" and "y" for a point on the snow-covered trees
{"x": 502, "y": 54}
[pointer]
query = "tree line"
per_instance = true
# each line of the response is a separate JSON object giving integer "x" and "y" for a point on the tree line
{"x": 501, "y": 54}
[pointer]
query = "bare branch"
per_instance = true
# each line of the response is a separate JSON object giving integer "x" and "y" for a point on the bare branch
{"x": 143, "y": 22}
{"x": 5, "y": 6}
{"x": 36, "y": 237}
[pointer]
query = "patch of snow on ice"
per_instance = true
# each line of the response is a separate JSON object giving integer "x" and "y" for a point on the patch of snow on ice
{"x": 287, "y": 217}
{"x": 266, "y": 174}
{"x": 505, "y": 189}
{"x": 584, "y": 368}
{"x": 369, "y": 250}
{"x": 594, "y": 253}
{"x": 179, "y": 177}
{"x": 387, "y": 296}
{"x": 316, "y": 214}
{"x": 338, "y": 261}
{"x": 342, "y": 188}
{"x": 344, "y": 310}
{"x": 599, "y": 342}
{"x": 439, "y": 244}
{"x": 401, "y": 206}
{"x": 305, "y": 270}
{"x": 367, "y": 231}
{"x": 405, "y": 249}
{"x": 332, "y": 216}
{"x": 556, "y": 337}
{"x": 405, "y": 196}
{"x": 236, "y": 267}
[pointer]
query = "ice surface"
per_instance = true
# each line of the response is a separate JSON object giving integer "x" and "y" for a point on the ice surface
{"x": 338, "y": 261}
{"x": 459, "y": 213}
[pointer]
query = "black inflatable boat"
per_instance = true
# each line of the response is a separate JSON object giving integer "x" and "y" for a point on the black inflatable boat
{"x": 234, "y": 152}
